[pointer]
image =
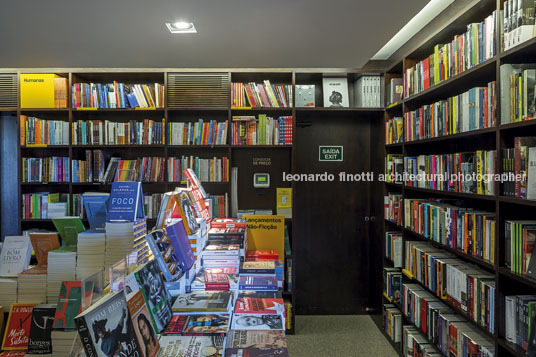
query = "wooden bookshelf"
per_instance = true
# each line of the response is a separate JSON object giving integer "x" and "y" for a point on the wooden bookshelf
{"x": 493, "y": 138}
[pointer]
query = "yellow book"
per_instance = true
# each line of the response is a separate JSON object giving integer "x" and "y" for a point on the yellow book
{"x": 37, "y": 90}
{"x": 492, "y": 256}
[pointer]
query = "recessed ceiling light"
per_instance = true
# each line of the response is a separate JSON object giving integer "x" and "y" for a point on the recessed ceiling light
{"x": 181, "y": 27}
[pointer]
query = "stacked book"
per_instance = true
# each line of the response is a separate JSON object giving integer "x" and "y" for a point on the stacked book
{"x": 8, "y": 291}
{"x": 61, "y": 267}
{"x": 221, "y": 256}
{"x": 62, "y": 342}
{"x": 199, "y": 282}
{"x": 120, "y": 238}
{"x": 99, "y": 132}
{"x": 32, "y": 286}
{"x": 225, "y": 231}
{"x": 91, "y": 248}
{"x": 42, "y": 132}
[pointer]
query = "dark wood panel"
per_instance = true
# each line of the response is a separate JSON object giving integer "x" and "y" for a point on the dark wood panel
{"x": 9, "y": 197}
{"x": 332, "y": 246}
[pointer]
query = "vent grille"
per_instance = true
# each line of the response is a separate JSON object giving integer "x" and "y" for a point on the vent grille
{"x": 198, "y": 90}
{"x": 8, "y": 90}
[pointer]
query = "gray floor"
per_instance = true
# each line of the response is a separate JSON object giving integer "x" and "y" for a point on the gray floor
{"x": 338, "y": 336}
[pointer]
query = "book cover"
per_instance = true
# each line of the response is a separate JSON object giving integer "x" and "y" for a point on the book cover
{"x": 335, "y": 91}
{"x": 69, "y": 304}
{"x": 15, "y": 255}
{"x": 181, "y": 244}
{"x": 263, "y": 283}
{"x": 68, "y": 229}
{"x": 198, "y": 325}
{"x": 187, "y": 214}
{"x": 257, "y": 322}
{"x": 191, "y": 346}
{"x": 40, "y": 329}
{"x": 203, "y": 301}
{"x": 256, "y": 339}
{"x": 143, "y": 328}
{"x": 95, "y": 206}
{"x": 164, "y": 254}
{"x": 126, "y": 202}
{"x": 106, "y": 328}
{"x": 257, "y": 267}
{"x": 260, "y": 294}
{"x": 305, "y": 95}
{"x": 18, "y": 324}
{"x": 249, "y": 305}
{"x": 155, "y": 295}
{"x": 228, "y": 223}
{"x": 257, "y": 352}
{"x": 42, "y": 243}
{"x": 216, "y": 281}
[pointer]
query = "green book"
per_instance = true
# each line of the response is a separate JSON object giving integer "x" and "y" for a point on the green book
{"x": 68, "y": 229}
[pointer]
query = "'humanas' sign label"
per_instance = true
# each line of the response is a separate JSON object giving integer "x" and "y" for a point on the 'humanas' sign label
{"x": 330, "y": 153}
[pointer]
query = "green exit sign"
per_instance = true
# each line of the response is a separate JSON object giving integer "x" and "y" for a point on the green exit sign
{"x": 330, "y": 153}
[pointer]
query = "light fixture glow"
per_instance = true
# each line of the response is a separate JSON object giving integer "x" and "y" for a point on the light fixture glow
{"x": 427, "y": 14}
{"x": 181, "y": 27}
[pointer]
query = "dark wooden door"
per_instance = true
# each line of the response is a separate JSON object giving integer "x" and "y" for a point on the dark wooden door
{"x": 332, "y": 245}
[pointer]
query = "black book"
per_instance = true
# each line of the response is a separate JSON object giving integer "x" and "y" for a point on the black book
{"x": 41, "y": 329}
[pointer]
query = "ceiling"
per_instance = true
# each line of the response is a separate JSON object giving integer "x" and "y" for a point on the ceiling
{"x": 231, "y": 33}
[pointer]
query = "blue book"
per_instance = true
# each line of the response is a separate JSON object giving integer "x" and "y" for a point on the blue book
{"x": 181, "y": 245}
{"x": 96, "y": 209}
{"x": 160, "y": 245}
{"x": 258, "y": 283}
{"x": 126, "y": 202}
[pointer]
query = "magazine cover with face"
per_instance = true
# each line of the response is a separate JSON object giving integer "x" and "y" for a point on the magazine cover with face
{"x": 198, "y": 325}
{"x": 142, "y": 325}
{"x": 257, "y": 322}
{"x": 106, "y": 329}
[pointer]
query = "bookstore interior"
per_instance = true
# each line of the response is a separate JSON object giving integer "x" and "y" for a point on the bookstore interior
{"x": 202, "y": 210}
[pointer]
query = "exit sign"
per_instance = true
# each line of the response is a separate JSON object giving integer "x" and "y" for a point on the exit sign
{"x": 330, "y": 153}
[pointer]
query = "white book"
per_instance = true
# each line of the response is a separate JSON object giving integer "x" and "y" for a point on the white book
{"x": 335, "y": 91}
{"x": 15, "y": 255}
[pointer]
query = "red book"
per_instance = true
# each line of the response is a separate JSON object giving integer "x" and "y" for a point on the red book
{"x": 216, "y": 281}
{"x": 426, "y": 73}
{"x": 247, "y": 305}
{"x": 18, "y": 327}
{"x": 262, "y": 255}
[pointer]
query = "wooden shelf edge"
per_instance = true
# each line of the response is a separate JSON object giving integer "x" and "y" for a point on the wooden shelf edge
{"x": 451, "y": 193}
{"x": 519, "y": 278}
{"x": 451, "y": 136}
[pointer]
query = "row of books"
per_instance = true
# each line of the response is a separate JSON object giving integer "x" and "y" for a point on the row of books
{"x": 45, "y": 169}
{"x": 394, "y": 129}
{"x": 439, "y": 329}
{"x": 392, "y": 208}
{"x": 42, "y": 132}
{"x": 105, "y": 132}
{"x": 208, "y": 170}
{"x": 249, "y": 130}
{"x": 519, "y": 320}
{"x": 151, "y": 204}
{"x": 468, "y": 172}
{"x": 471, "y": 110}
{"x": 368, "y": 92}
{"x": 470, "y": 231}
{"x": 392, "y": 322}
{"x": 45, "y": 205}
{"x": 198, "y": 133}
{"x": 465, "y": 286}
{"x": 261, "y": 95}
{"x": 518, "y": 22}
{"x": 465, "y": 51}
{"x": 393, "y": 247}
{"x": 519, "y": 93}
{"x": 117, "y": 95}
{"x": 520, "y": 237}
{"x": 518, "y": 164}
{"x": 219, "y": 205}
{"x": 394, "y": 168}
{"x": 395, "y": 91}
{"x": 392, "y": 282}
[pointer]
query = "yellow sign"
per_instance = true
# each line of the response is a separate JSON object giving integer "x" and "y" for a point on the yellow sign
{"x": 37, "y": 90}
{"x": 284, "y": 197}
{"x": 266, "y": 232}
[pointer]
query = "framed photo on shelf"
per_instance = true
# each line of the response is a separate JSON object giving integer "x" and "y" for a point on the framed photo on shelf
{"x": 335, "y": 92}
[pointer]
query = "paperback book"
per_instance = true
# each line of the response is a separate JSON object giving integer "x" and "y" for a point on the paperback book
{"x": 203, "y": 301}
{"x": 198, "y": 325}
{"x": 41, "y": 328}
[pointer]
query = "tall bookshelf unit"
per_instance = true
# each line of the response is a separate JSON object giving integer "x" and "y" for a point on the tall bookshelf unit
{"x": 494, "y": 138}
{"x": 190, "y": 94}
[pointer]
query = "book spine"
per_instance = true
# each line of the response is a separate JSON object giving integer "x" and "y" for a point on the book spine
{"x": 85, "y": 337}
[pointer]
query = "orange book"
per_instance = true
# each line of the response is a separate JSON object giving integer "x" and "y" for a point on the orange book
{"x": 22, "y": 123}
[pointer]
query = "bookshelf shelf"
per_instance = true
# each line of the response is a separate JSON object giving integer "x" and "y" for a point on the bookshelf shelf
{"x": 511, "y": 347}
{"x": 482, "y": 263}
{"x": 395, "y": 145}
{"x": 43, "y": 183}
{"x": 44, "y": 147}
{"x": 480, "y": 72}
{"x": 198, "y": 109}
{"x": 517, "y": 201}
{"x": 197, "y": 146}
{"x": 520, "y": 124}
{"x": 451, "y": 137}
{"x": 128, "y": 146}
{"x": 33, "y": 110}
{"x": 522, "y": 50}
{"x": 91, "y": 110}
{"x": 261, "y": 109}
{"x": 395, "y": 106}
{"x": 261, "y": 146}
{"x": 36, "y": 220}
{"x": 392, "y": 184}
{"x": 451, "y": 193}
{"x": 519, "y": 278}
{"x": 354, "y": 109}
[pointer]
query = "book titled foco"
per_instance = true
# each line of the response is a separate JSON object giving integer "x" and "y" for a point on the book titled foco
{"x": 106, "y": 328}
